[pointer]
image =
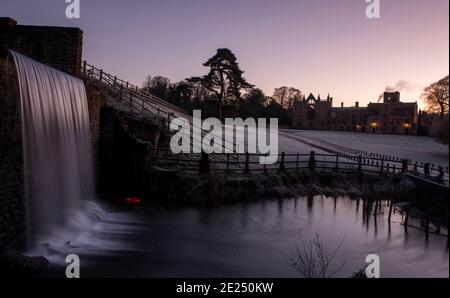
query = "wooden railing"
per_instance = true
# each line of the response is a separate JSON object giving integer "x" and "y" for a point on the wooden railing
{"x": 248, "y": 162}
{"x": 426, "y": 169}
{"x": 385, "y": 157}
{"x": 139, "y": 101}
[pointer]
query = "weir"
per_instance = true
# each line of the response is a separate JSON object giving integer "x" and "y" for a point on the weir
{"x": 58, "y": 164}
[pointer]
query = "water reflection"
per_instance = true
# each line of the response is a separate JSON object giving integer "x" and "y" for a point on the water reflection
{"x": 310, "y": 203}
{"x": 256, "y": 239}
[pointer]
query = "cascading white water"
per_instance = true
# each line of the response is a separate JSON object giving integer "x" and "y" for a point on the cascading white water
{"x": 58, "y": 165}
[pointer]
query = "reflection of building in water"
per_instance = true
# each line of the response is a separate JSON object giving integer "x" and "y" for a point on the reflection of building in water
{"x": 391, "y": 116}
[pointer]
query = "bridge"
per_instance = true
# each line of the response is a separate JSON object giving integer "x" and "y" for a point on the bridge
{"x": 139, "y": 102}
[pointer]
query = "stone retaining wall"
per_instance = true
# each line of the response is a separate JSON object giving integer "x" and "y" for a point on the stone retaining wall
{"x": 11, "y": 158}
{"x": 59, "y": 47}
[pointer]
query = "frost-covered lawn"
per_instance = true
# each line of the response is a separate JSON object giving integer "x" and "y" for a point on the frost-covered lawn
{"x": 292, "y": 145}
{"x": 421, "y": 149}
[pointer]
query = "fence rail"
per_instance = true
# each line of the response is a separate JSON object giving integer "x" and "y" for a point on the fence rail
{"x": 248, "y": 162}
{"x": 425, "y": 169}
{"x": 140, "y": 101}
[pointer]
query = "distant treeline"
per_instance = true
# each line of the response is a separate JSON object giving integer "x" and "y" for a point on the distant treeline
{"x": 224, "y": 87}
{"x": 254, "y": 103}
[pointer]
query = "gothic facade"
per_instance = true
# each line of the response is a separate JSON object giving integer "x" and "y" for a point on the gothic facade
{"x": 390, "y": 116}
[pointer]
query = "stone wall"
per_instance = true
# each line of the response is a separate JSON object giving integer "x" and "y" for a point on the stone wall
{"x": 121, "y": 143}
{"x": 96, "y": 101}
{"x": 11, "y": 158}
{"x": 123, "y": 160}
{"x": 121, "y": 147}
{"x": 59, "y": 47}
{"x": 12, "y": 208}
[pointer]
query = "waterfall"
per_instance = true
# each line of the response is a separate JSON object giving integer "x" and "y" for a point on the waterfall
{"x": 58, "y": 165}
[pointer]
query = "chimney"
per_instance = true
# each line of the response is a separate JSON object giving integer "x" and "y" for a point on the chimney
{"x": 357, "y": 104}
{"x": 342, "y": 104}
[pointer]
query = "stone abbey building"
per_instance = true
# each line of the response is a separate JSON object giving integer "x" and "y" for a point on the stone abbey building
{"x": 389, "y": 117}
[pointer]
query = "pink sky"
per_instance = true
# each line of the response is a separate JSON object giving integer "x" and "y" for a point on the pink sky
{"x": 318, "y": 46}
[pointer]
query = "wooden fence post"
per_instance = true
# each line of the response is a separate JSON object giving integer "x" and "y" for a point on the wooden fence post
{"x": 204, "y": 163}
{"x": 426, "y": 169}
{"x": 359, "y": 164}
{"x": 441, "y": 172}
{"x": 228, "y": 161}
{"x": 382, "y": 165}
{"x": 312, "y": 161}
{"x": 337, "y": 162}
{"x": 296, "y": 164}
{"x": 282, "y": 162}
{"x": 404, "y": 166}
{"x": 247, "y": 163}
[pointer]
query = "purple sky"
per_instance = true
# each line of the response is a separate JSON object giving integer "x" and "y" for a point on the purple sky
{"x": 318, "y": 46}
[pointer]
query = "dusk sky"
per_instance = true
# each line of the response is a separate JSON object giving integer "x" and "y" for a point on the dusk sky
{"x": 319, "y": 46}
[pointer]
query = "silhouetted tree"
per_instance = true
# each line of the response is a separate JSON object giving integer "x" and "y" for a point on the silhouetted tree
{"x": 158, "y": 86}
{"x": 180, "y": 94}
{"x": 286, "y": 96}
{"x": 200, "y": 93}
{"x": 253, "y": 104}
{"x": 224, "y": 78}
{"x": 275, "y": 110}
{"x": 436, "y": 97}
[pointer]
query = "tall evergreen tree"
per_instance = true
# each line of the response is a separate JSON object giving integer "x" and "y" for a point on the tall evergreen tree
{"x": 224, "y": 79}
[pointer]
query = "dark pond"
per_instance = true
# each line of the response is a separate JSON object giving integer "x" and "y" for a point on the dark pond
{"x": 247, "y": 240}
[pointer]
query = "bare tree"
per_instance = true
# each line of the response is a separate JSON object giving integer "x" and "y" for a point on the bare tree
{"x": 436, "y": 97}
{"x": 157, "y": 85}
{"x": 286, "y": 96}
{"x": 312, "y": 260}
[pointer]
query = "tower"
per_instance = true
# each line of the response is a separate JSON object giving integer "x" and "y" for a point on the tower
{"x": 391, "y": 97}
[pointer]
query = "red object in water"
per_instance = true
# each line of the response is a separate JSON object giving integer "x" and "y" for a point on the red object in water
{"x": 133, "y": 200}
